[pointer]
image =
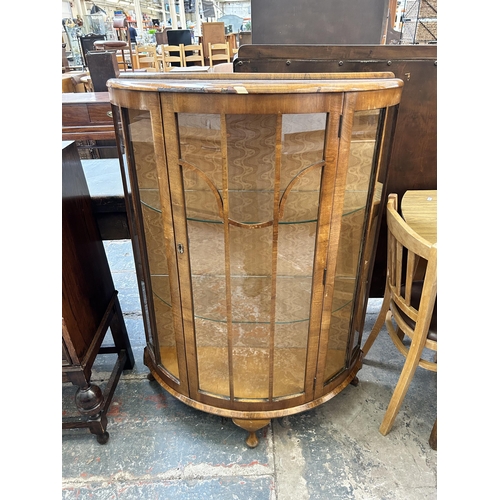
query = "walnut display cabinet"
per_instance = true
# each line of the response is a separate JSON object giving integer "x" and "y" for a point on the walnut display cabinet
{"x": 253, "y": 205}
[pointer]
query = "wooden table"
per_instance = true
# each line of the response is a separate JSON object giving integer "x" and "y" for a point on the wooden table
{"x": 90, "y": 303}
{"x": 419, "y": 209}
{"x": 190, "y": 69}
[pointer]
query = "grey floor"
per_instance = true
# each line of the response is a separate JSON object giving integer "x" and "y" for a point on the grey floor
{"x": 159, "y": 448}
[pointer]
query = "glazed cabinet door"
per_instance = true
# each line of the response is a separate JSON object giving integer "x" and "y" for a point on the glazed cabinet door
{"x": 252, "y": 196}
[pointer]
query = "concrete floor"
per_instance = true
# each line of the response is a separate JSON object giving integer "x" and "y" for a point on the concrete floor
{"x": 159, "y": 448}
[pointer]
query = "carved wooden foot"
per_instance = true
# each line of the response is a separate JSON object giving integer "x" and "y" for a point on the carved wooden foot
{"x": 97, "y": 426}
{"x": 151, "y": 377}
{"x": 355, "y": 381}
{"x": 102, "y": 438}
{"x": 251, "y": 426}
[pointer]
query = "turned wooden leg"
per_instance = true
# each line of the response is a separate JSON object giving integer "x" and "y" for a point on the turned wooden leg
{"x": 355, "y": 381}
{"x": 251, "y": 426}
{"x": 90, "y": 402}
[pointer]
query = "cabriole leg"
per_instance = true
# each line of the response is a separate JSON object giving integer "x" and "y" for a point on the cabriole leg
{"x": 251, "y": 426}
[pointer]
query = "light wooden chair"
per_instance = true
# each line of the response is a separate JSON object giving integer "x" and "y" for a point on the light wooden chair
{"x": 196, "y": 56}
{"x": 148, "y": 58}
{"x": 409, "y": 307}
{"x": 214, "y": 53}
{"x": 168, "y": 56}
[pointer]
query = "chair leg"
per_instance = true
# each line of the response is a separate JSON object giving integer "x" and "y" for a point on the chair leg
{"x": 411, "y": 363}
{"x": 378, "y": 324}
{"x": 433, "y": 441}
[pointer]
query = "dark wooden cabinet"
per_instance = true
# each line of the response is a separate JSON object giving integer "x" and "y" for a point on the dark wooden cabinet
{"x": 413, "y": 163}
{"x": 319, "y": 22}
{"x": 87, "y": 115}
{"x": 90, "y": 305}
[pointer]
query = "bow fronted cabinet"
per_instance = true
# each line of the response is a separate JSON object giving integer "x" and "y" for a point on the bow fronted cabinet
{"x": 254, "y": 205}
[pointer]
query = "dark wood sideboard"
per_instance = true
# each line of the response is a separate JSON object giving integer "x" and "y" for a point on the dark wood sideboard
{"x": 413, "y": 162}
{"x": 87, "y": 115}
{"x": 90, "y": 305}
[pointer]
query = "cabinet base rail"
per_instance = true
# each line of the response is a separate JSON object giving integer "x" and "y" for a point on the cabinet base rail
{"x": 253, "y": 421}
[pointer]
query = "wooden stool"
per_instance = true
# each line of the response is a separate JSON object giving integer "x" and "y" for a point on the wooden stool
{"x": 115, "y": 45}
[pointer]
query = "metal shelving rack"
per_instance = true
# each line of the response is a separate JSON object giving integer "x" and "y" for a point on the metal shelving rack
{"x": 419, "y": 22}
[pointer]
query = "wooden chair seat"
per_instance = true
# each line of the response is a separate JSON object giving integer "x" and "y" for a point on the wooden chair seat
{"x": 148, "y": 58}
{"x": 109, "y": 44}
{"x": 223, "y": 68}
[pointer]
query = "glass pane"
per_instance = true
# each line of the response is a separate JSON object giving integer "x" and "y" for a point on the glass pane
{"x": 251, "y": 304}
{"x": 200, "y": 147}
{"x": 251, "y": 141}
{"x": 141, "y": 137}
{"x": 206, "y": 245}
{"x": 359, "y": 179}
{"x": 303, "y": 139}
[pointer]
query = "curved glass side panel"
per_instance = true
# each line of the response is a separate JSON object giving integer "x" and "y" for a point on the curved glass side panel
{"x": 358, "y": 184}
{"x": 144, "y": 160}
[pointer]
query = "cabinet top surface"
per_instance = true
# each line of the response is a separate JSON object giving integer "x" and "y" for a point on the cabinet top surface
{"x": 85, "y": 97}
{"x": 234, "y": 83}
